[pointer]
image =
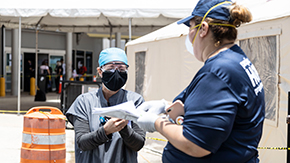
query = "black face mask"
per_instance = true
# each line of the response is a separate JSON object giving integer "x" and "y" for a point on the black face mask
{"x": 114, "y": 80}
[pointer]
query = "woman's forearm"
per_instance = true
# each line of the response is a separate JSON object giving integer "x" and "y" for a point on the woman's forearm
{"x": 173, "y": 133}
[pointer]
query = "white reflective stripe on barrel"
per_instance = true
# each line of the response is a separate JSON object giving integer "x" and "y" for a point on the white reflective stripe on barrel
{"x": 43, "y": 139}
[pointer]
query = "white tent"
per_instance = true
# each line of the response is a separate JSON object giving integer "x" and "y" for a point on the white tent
{"x": 168, "y": 68}
{"x": 94, "y": 16}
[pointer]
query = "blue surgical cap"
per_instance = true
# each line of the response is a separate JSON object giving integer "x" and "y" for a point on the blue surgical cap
{"x": 220, "y": 12}
{"x": 112, "y": 54}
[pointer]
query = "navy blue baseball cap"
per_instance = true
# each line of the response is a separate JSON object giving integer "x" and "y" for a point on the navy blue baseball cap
{"x": 220, "y": 11}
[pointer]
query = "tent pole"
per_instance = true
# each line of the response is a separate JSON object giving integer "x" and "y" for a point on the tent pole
{"x": 36, "y": 51}
{"x": 130, "y": 29}
{"x": 19, "y": 66}
{"x": 36, "y": 56}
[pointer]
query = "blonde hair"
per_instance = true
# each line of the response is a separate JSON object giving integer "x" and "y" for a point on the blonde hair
{"x": 238, "y": 15}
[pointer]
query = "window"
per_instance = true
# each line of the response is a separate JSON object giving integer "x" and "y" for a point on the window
{"x": 262, "y": 51}
{"x": 140, "y": 71}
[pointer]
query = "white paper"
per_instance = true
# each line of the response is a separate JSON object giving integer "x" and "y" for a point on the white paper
{"x": 126, "y": 110}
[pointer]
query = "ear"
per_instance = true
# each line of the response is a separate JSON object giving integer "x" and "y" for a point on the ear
{"x": 204, "y": 29}
{"x": 100, "y": 72}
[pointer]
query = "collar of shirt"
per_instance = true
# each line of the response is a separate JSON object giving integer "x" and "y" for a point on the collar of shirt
{"x": 117, "y": 98}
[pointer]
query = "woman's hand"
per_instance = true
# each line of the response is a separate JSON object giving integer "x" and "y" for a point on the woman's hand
{"x": 114, "y": 125}
{"x": 154, "y": 106}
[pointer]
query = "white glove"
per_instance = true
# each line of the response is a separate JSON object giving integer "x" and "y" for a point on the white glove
{"x": 147, "y": 121}
{"x": 154, "y": 106}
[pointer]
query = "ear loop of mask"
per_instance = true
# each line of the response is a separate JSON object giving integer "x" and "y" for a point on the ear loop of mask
{"x": 199, "y": 25}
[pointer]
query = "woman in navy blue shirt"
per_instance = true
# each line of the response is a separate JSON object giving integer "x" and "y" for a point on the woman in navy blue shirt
{"x": 224, "y": 103}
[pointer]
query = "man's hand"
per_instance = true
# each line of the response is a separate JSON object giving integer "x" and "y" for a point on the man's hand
{"x": 114, "y": 125}
{"x": 154, "y": 106}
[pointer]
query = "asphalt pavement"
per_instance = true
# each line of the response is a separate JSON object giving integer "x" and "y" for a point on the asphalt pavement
{"x": 11, "y": 127}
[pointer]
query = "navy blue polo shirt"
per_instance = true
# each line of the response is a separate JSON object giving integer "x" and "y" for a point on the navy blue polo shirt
{"x": 224, "y": 111}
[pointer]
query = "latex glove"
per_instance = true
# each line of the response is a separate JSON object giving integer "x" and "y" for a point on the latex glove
{"x": 147, "y": 121}
{"x": 154, "y": 106}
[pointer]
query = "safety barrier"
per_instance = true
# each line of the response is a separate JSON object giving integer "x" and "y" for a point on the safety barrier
{"x": 72, "y": 89}
{"x": 43, "y": 139}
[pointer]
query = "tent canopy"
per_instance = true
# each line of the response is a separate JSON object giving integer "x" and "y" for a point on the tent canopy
{"x": 94, "y": 16}
{"x": 102, "y": 17}
{"x": 262, "y": 10}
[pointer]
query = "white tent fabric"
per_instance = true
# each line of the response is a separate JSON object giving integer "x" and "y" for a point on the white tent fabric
{"x": 113, "y": 4}
{"x": 261, "y": 10}
{"x": 170, "y": 31}
{"x": 76, "y": 13}
{"x": 94, "y": 16}
{"x": 266, "y": 9}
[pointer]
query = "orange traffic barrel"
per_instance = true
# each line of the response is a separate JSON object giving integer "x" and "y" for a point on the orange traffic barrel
{"x": 43, "y": 139}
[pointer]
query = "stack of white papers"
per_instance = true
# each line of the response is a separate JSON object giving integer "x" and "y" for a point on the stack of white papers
{"x": 126, "y": 110}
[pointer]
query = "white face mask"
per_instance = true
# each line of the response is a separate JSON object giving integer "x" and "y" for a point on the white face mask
{"x": 188, "y": 45}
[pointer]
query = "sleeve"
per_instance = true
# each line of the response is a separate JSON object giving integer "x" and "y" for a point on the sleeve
{"x": 181, "y": 96}
{"x": 77, "y": 109}
{"x": 134, "y": 138}
{"x": 210, "y": 111}
{"x": 87, "y": 140}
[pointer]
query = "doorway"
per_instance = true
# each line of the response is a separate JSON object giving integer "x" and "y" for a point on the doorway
{"x": 28, "y": 73}
{"x": 29, "y": 70}
{"x": 52, "y": 63}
